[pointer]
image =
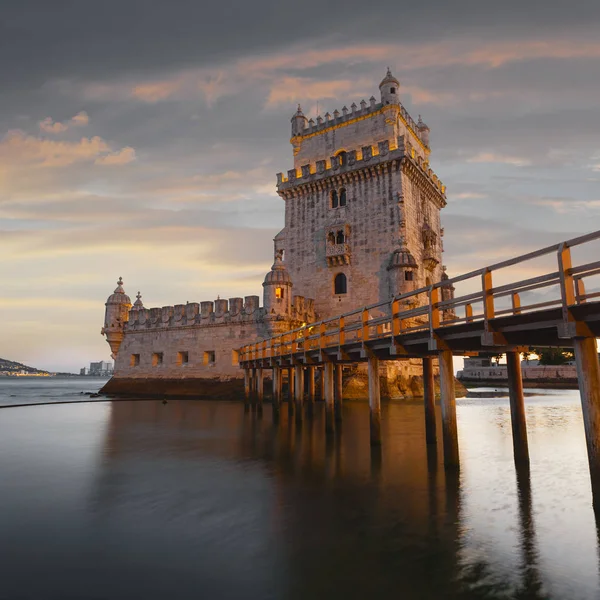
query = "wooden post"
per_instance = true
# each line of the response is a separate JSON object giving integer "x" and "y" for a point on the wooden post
{"x": 517, "y": 408}
{"x": 260, "y": 389}
{"x": 448, "y": 401}
{"x": 588, "y": 374}
{"x": 338, "y": 393}
{"x": 329, "y": 397}
{"x": 374, "y": 401}
{"x": 276, "y": 388}
{"x": 299, "y": 391}
{"x": 323, "y": 384}
{"x": 247, "y": 385}
{"x": 253, "y": 388}
{"x": 429, "y": 401}
{"x": 291, "y": 390}
{"x": 310, "y": 371}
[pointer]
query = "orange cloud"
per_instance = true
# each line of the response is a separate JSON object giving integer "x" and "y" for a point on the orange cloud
{"x": 121, "y": 157}
{"x": 50, "y": 126}
{"x": 287, "y": 90}
{"x": 491, "y": 157}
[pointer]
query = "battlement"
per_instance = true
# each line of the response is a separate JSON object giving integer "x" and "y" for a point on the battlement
{"x": 348, "y": 116}
{"x": 355, "y": 160}
{"x": 218, "y": 312}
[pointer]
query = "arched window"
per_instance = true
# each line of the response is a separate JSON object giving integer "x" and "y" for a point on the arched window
{"x": 334, "y": 199}
{"x": 331, "y": 237}
{"x": 279, "y": 293}
{"x": 343, "y": 197}
{"x": 340, "y": 238}
{"x": 343, "y": 158}
{"x": 340, "y": 284}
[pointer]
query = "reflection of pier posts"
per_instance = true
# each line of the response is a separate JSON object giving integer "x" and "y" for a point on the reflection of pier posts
{"x": 429, "y": 400}
{"x": 329, "y": 396}
{"x": 588, "y": 373}
{"x": 374, "y": 401}
{"x": 517, "y": 408}
{"x": 448, "y": 401}
{"x": 299, "y": 391}
{"x": 338, "y": 392}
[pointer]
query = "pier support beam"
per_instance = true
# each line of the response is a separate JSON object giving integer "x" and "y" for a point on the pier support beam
{"x": 448, "y": 402}
{"x": 299, "y": 391}
{"x": 588, "y": 374}
{"x": 290, "y": 396}
{"x": 429, "y": 401}
{"x": 247, "y": 385}
{"x": 374, "y": 401}
{"x": 517, "y": 408}
{"x": 329, "y": 397}
{"x": 338, "y": 392}
{"x": 310, "y": 373}
{"x": 260, "y": 389}
{"x": 276, "y": 388}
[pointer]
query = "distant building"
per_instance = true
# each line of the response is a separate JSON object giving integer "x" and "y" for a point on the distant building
{"x": 98, "y": 369}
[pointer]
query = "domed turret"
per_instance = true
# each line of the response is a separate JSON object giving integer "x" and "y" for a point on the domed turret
{"x": 402, "y": 271}
{"x": 299, "y": 122}
{"x": 390, "y": 89}
{"x": 423, "y": 131}
{"x": 277, "y": 293}
{"x": 115, "y": 317}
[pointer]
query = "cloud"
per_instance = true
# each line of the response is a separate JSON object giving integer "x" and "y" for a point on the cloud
{"x": 49, "y": 126}
{"x": 121, "y": 157}
{"x": 19, "y": 150}
{"x": 492, "y": 157}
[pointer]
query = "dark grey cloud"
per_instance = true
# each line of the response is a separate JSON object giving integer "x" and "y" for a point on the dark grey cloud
{"x": 89, "y": 39}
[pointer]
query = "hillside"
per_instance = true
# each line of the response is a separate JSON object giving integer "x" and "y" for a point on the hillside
{"x": 9, "y": 367}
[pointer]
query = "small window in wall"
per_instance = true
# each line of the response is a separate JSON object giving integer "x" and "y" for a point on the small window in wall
{"x": 279, "y": 293}
{"x": 135, "y": 360}
{"x": 343, "y": 197}
{"x": 340, "y": 238}
{"x": 334, "y": 199}
{"x": 183, "y": 358}
{"x": 392, "y": 90}
{"x": 235, "y": 358}
{"x": 209, "y": 357}
{"x": 340, "y": 284}
{"x": 157, "y": 359}
{"x": 408, "y": 275}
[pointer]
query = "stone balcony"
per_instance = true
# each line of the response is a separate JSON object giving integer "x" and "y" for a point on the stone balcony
{"x": 338, "y": 254}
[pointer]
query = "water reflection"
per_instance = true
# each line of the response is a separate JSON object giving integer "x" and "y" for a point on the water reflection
{"x": 211, "y": 499}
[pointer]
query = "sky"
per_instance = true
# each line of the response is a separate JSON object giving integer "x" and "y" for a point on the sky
{"x": 141, "y": 139}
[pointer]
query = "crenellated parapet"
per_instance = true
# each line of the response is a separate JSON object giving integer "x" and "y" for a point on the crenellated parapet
{"x": 320, "y": 125}
{"x": 353, "y": 164}
{"x": 214, "y": 313}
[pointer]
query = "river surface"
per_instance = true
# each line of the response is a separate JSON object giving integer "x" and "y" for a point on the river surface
{"x": 140, "y": 499}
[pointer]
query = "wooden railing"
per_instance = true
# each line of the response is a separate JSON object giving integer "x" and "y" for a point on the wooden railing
{"x": 432, "y": 308}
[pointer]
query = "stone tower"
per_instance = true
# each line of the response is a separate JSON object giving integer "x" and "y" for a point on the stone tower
{"x": 362, "y": 205}
{"x": 115, "y": 317}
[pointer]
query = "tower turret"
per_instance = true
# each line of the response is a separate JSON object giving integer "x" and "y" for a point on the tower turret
{"x": 115, "y": 317}
{"x": 277, "y": 293}
{"x": 390, "y": 89}
{"x": 402, "y": 271}
{"x": 423, "y": 131}
{"x": 138, "y": 304}
{"x": 299, "y": 122}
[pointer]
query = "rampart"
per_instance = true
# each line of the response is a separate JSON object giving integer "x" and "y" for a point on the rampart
{"x": 368, "y": 156}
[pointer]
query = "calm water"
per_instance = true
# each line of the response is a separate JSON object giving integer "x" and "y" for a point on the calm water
{"x": 136, "y": 499}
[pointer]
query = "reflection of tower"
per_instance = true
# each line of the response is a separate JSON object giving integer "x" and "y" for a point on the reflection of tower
{"x": 115, "y": 317}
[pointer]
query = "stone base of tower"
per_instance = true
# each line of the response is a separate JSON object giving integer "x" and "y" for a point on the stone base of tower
{"x": 399, "y": 380}
{"x": 214, "y": 388}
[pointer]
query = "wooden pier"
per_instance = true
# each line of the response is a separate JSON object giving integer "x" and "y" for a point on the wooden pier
{"x": 496, "y": 310}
